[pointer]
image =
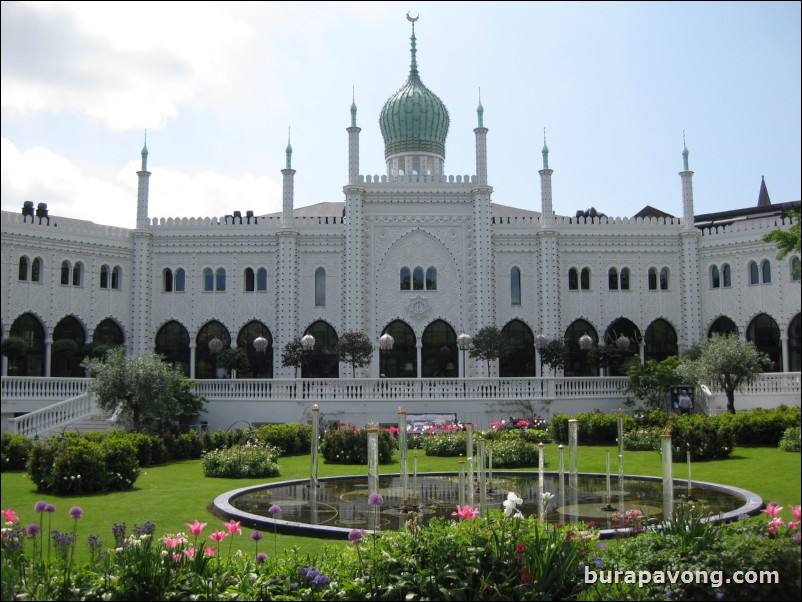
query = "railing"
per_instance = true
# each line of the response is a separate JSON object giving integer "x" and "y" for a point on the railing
{"x": 42, "y": 387}
{"x": 38, "y": 422}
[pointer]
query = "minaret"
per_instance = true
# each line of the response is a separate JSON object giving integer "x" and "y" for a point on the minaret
{"x": 355, "y": 277}
{"x": 481, "y": 145}
{"x": 691, "y": 309}
{"x": 548, "y": 264}
{"x": 287, "y": 269}
{"x": 141, "y": 341}
{"x": 142, "y": 191}
{"x": 353, "y": 146}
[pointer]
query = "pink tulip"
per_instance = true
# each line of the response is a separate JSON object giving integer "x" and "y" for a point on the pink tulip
{"x": 176, "y": 557}
{"x": 797, "y": 512}
{"x": 172, "y": 542}
{"x": 196, "y": 527}
{"x": 189, "y": 552}
{"x": 218, "y": 536}
{"x": 10, "y": 516}
{"x": 466, "y": 512}
{"x": 773, "y": 509}
{"x": 209, "y": 551}
{"x": 233, "y": 527}
{"x": 775, "y": 524}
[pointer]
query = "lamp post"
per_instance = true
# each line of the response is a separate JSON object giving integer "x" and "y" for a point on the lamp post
{"x": 215, "y": 346}
{"x": 308, "y": 343}
{"x": 541, "y": 342}
{"x": 260, "y": 345}
{"x": 585, "y": 342}
{"x": 385, "y": 346}
{"x": 464, "y": 343}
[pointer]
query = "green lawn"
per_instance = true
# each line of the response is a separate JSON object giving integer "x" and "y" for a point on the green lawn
{"x": 178, "y": 493}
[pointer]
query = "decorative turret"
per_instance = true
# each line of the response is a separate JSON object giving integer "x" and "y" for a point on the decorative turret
{"x": 288, "y": 189}
{"x": 353, "y": 144}
{"x": 545, "y": 188}
{"x": 142, "y": 190}
{"x": 763, "y": 199}
{"x": 481, "y": 145}
{"x": 414, "y": 124}
{"x": 545, "y": 151}
{"x": 687, "y": 188}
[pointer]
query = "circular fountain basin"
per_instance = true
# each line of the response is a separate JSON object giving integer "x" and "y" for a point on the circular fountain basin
{"x": 340, "y": 504}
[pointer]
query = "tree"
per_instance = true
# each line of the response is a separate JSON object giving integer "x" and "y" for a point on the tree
{"x": 787, "y": 241}
{"x": 150, "y": 394}
{"x": 293, "y": 355}
{"x": 556, "y": 355}
{"x": 726, "y": 361}
{"x": 355, "y": 348}
{"x": 653, "y": 382}
{"x": 488, "y": 344}
{"x": 13, "y": 347}
{"x": 233, "y": 359}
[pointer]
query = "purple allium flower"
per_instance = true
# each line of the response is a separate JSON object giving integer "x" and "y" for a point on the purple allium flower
{"x": 274, "y": 508}
{"x": 40, "y": 506}
{"x": 322, "y": 579}
{"x": 356, "y": 535}
{"x": 261, "y": 557}
{"x": 63, "y": 540}
{"x": 375, "y": 499}
{"x": 33, "y": 529}
{"x": 257, "y": 535}
{"x": 293, "y": 586}
{"x": 50, "y": 508}
{"x": 76, "y": 512}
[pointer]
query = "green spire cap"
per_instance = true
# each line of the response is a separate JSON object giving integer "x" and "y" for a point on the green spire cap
{"x": 289, "y": 151}
{"x": 145, "y": 153}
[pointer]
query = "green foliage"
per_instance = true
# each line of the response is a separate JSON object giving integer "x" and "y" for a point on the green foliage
{"x": 446, "y": 444}
{"x": 355, "y": 348}
{"x": 153, "y": 395}
{"x": 121, "y": 462}
{"x": 290, "y": 439}
{"x": 557, "y": 354}
{"x": 293, "y": 355}
{"x": 241, "y": 462}
{"x": 514, "y": 453}
{"x": 183, "y": 446}
{"x": 791, "y": 440}
{"x": 706, "y": 439}
{"x": 15, "y": 450}
{"x": 64, "y": 348}
{"x": 642, "y": 439}
{"x": 760, "y": 426}
{"x": 349, "y": 445}
{"x": 233, "y": 359}
{"x": 653, "y": 382}
{"x": 149, "y": 449}
{"x": 592, "y": 427}
{"x": 488, "y": 344}
{"x": 13, "y": 347}
{"x": 787, "y": 241}
{"x": 728, "y": 362}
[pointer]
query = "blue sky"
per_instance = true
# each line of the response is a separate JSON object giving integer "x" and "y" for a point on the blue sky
{"x": 218, "y": 86}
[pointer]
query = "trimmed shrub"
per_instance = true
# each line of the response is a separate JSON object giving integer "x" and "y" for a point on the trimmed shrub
{"x": 71, "y": 465}
{"x": 291, "y": 439}
{"x": 122, "y": 466}
{"x": 14, "y": 451}
{"x": 706, "y": 439}
{"x": 448, "y": 444}
{"x": 349, "y": 445}
{"x": 514, "y": 453}
{"x": 592, "y": 427}
{"x": 761, "y": 427}
{"x": 241, "y": 462}
{"x": 647, "y": 439}
{"x": 184, "y": 447}
{"x": 790, "y": 440}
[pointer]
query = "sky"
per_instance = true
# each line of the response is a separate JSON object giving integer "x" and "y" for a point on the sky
{"x": 220, "y": 86}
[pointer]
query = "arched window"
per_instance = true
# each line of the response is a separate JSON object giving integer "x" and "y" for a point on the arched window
{"x": 625, "y": 279}
{"x": 261, "y": 362}
{"x": 208, "y": 279}
{"x": 722, "y": 325}
{"x": 754, "y": 273}
{"x": 249, "y": 280}
{"x": 180, "y": 278}
{"x": 77, "y": 274}
{"x": 615, "y": 360}
{"x": 661, "y": 341}
{"x": 402, "y": 360}
{"x": 664, "y": 279}
{"x": 715, "y": 277}
{"x": 116, "y": 277}
{"x": 431, "y": 279}
{"x": 32, "y": 362}
{"x": 23, "y": 268}
{"x": 68, "y": 341}
{"x": 172, "y": 341}
{"x": 795, "y": 270}
{"x": 104, "y": 276}
{"x": 205, "y": 359}
{"x": 726, "y": 273}
{"x": 108, "y": 332}
{"x": 515, "y": 286}
{"x": 652, "y": 279}
{"x": 765, "y": 268}
{"x": 612, "y": 279}
{"x": 36, "y": 270}
{"x": 65, "y": 273}
{"x": 167, "y": 278}
{"x": 579, "y": 361}
{"x": 519, "y": 356}
{"x": 573, "y": 279}
{"x": 439, "y": 351}
{"x": 765, "y": 334}
{"x": 406, "y": 279}
{"x": 220, "y": 279}
{"x": 261, "y": 281}
{"x": 795, "y": 344}
{"x": 584, "y": 280}
{"x": 323, "y": 361}
{"x": 417, "y": 279}
{"x": 320, "y": 287}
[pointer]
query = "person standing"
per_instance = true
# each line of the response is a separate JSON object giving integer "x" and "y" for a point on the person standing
{"x": 685, "y": 402}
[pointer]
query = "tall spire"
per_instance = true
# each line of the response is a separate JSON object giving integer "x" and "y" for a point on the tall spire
{"x": 289, "y": 150}
{"x": 545, "y": 151}
{"x": 353, "y": 108}
{"x": 413, "y": 67}
{"x": 763, "y": 199}
{"x": 145, "y": 153}
{"x": 684, "y": 153}
{"x": 480, "y": 111}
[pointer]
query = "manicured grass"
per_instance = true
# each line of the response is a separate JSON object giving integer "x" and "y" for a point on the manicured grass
{"x": 178, "y": 493}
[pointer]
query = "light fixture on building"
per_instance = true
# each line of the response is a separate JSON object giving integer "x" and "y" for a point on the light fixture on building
{"x": 585, "y": 342}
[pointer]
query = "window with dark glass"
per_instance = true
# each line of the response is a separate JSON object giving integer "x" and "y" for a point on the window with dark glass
{"x": 65, "y": 273}
{"x": 795, "y": 273}
{"x": 765, "y": 267}
{"x": 23, "y": 268}
{"x": 584, "y": 280}
{"x": 664, "y": 279}
{"x": 612, "y": 279}
{"x": 715, "y": 278}
{"x": 220, "y": 279}
{"x": 754, "y": 273}
{"x": 77, "y": 274}
{"x": 625, "y": 279}
{"x": 116, "y": 277}
{"x": 652, "y": 279}
{"x": 261, "y": 279}
{"x": 104, "y": 276}
{"x": 249, "y": 280}
{"x": 320, "y": 287}
{"x": 573, "y": 279}
{"x": 417, "y": 279}
{"x": 406, "y": 279}
{"x": 431, "y": 279}
{"x": 208, "y": 279}
{"x": 515, "y": 286}
{"x": 180, "y": 277}
{"x": 726, "y": 273}
{"x": 36, "y": 270}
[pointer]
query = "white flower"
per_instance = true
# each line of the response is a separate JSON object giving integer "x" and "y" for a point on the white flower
{"x": 511, "y": 505}
{"x": 547, "y": 497}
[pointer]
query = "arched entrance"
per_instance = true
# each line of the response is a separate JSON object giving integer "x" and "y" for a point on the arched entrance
{"x": 519, "y": 358}
{"x": 439, "y": 351}
{"x": 261, "y": 363}
{"x": 402, "y": 360}
{"x": 579, "y": 361}
{"x": 66, "y": 354}
{"x": 172, "y": 342}
{"x": 32, "y": 362}
{"x": 205, "y": 358}
{"x": 765, "y": 334}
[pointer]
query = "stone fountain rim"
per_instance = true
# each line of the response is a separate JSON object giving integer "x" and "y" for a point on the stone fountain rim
{"x": 223, "y": 508}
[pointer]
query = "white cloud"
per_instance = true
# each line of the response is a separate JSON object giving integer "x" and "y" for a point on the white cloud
{"x": 42, "y": 176}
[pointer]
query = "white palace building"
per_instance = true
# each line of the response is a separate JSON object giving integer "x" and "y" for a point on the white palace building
{"x": 414, "y": 253}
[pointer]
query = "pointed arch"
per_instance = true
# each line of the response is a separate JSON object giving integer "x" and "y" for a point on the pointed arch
{"x": 439, "y": 351}
{"x": 660, "y": 340}
{"x": 108, "y": 332}
{"x": 23, "y": 268}
{"x": 765, "y": 334}
{"x": 519, "y": 357}
{"x": 402, "y": 360}
{"x": 322, "y": 361}
{"x": 66, "y": 362}
{"x": 32, "y": 363}
{"x": 617, "y": 329}
{"x": 795, "y": 344}
{"x": 261, "y": 363}
{"x": 579, "y": 362}
{"x": 205, "y": 359}
{"x": 722, "y": 325}
{"x": 172, "y": 341}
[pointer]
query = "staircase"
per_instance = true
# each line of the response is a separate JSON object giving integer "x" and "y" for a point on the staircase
{"x": 79, "y": 413}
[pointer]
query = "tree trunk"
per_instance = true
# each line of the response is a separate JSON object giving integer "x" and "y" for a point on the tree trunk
{"x": 730, "y": 401}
